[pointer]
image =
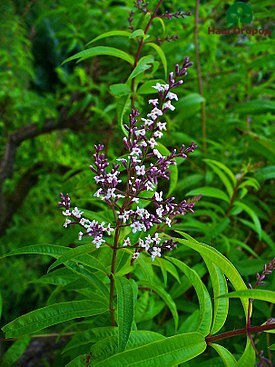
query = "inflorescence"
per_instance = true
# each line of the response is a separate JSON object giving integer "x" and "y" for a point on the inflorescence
{"x": 145, "y": 165}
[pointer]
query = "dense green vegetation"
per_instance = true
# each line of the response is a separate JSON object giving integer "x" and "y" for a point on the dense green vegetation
{"x": 52, "y": 114}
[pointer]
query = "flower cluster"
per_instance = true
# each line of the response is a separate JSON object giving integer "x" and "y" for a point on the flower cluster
{"x": 268, "y": 269}
{"x": 145, "y": 165}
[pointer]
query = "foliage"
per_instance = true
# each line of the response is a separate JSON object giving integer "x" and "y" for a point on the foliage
{"x": 174, "y": 310}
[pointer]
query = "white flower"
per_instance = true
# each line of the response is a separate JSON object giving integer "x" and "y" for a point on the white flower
{"x": 67, "y": 213}
{"x": 161, "y": 125}
{"x": 80, "y": 235}
{"x": 153, "y": 101}
{"x": 122, "y": 160}
{"x": 149, "y": 186}
{"x": 159, "y": 211}
{"x": 158, "y": 134}
{"x": 135, "y": 150}
{"x": 110, "y": 193}
{"x": 84, "y": 222}
{"x": 77, "y": 213}
{"x": 169, "y": 105}
{"x": 143, "y": 144}
{"x": 171, "y": 96}
{"x": 152, "y": 143}
{"x": 109, "y": 229}
{"x": 161, "y": 87}
{"x": 135, "y": 200}
{"x": 157, "y": 153}
{"x": 141, "y": 132}
{"x": 135, "y": 255}
{"x": 124, "y": 216}
{"x": 156, "y": 253}
{"x": 155, "y": 113}
{"x": 158, "y": 196}
{"x": 99, "y": 179}
{"x": 140, "y": 170}
{"x": 156, "y": 238}
{"x": 147, "y": 122}
{"x": 97, "y": 193}
{"x": 137, "y": 227}
{"x": 67, "y": 221}
{"x": 140, "y": 212}
{"x": 98, "y": 241}
{"x": 168, "y": 221}
{"x": 135, "y": 160}
{"x": 127, "y": 242}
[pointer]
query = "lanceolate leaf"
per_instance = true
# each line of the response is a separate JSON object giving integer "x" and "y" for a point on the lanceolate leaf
{"x": 228, "y": 359}
{"x": 202, "y": 294}
{"x": 110, "y": 34}
{"x": 125, "y": 310}
{"x": 15, "y": 351}
{"x": 161, "y": 55}
{"x": 100, "y": 51}
{"x": 210, "y": 192}
{"x": 52, "y": 315}
{"x": 219, "y": 286}
{"x": 248, "y": 358}
{"x": 221, "y": 261}
{"x": 253, "y": 216}
{"x": 168, "y": 352}
{"x": 50, "y": 250}
{"x": 143, "y": 64}
{"x": 166, "y": 298}
{"x": 260, "y": 294}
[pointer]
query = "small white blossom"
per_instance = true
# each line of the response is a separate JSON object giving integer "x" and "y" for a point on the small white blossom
{"x": 158, "y": 134}
{"x": 159, "y": 211}
{"x": 161, "y": 125}
{"x": 140, "y": 212}
{"x": 84, "y": 222}
{"x": 143, "y": 144}
{"x": 149, "y": 186}
{"x": 161, "y": 87}
{"x": 135, "y": 200}
{"x": 67, "y": 221}
{"x": 147, "y": 122}
{"x": 77, "y": 213}
{"x": 152, "y": 143}
{"x": 99, "y": 179}
{"x": 109, "y": 229}
{"x": 156, "y": 238}
{"x": 153, "y": 101}
{"x": 98, "y": 241}
{"x": 171, "y": 96}
{"x": 67, "y": 213}
{"x": 168, "y": 221}
{"x": 97, "y": 193}
{"x": 137, "y": 227}
{"x": 80, "y": 235}
{"x": 169, "y": 105}
{"x": 156, "y": 253}
{"x": 110, "y": 193}
{"x": 141, "y": 132}
{"x": 140, "y": 170}
{"x": 135, "y": 255}
{"x": 157, "y": 153}
{"x": 155, "y": 113}
{"x": 122, "y": 160}
{"x": 135, "y": 160}
{"x": 158, "y": 196}
{"x": 135, "y": 150}
{"x": 124, "y": 216}
{"x": 127, "y": 242}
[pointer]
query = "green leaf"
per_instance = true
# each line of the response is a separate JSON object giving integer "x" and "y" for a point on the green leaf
{"x": 248, "y": 358}
{"x": 260, "y": 294}
{"x": 265, "y": 173}
{"x": 137, "y": 33}
{"x": 110, "y": 34}
{"x": 1, "y": 305}
{"x": 161, "y": 56}
{"x": 252, "y": 214}
{"x": 190, "y": 105}
{"x": 143, "y": 64}
{"x": 166, "y": 298}
{"x": 219, "y": 286}
{"x": 168, "y": 352}
{"x": 123, "y": 105}
{"x": 217, "y": 258}
{"x": 72, "y": 254}
{"x": 220, "y": 169}
{"x": 255, "y": 107}
{"x": 52, "y": 315}
{"x": 14, "y": 352}
{"x": 210, "y": 192}
{"x": 100, "y": 51}
{"x": 272, "y": 347}
{"x": 119, "y": 90}
{"x": 202, "y": 294}
{"x": 228, "y": 359}
{"x": 50, "y": 250}
{"x": 125, "y": 310}
{"x": 79, "y": 361}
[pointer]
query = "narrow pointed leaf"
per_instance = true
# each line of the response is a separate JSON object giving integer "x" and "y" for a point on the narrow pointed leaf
{"x": 211, "y": 192}
{"x": 143, "y": 64}
{"x": 110, "y": 34}
{"x": 52, "y": 315}
{"x": 161, "y": 55}
{"x": 101, "y": 51}
{"x": 125, "y": 310}
{"x": 260, "y": 294}
{"x": 14, "y": 352}
{"x": 248, "y": 358}
{"x": 227, "y": 358}
{"x": 168, "y": 352}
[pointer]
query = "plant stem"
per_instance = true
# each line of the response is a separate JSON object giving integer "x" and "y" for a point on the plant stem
{"x": 199, "y": 76}
{"x": 111, "y": 276}
{"x": 141, "y": 44}
{"x": 229, "y": 334}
